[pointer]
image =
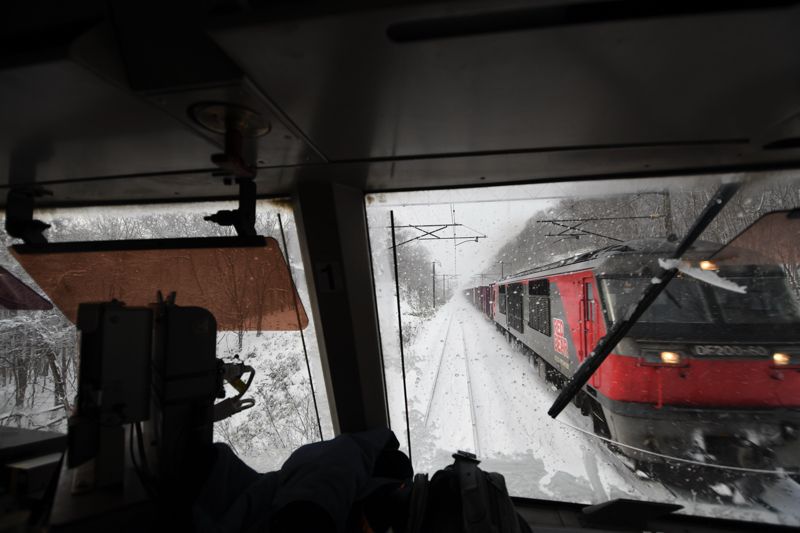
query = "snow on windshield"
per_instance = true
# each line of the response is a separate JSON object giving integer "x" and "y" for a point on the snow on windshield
{"x": 504, "y": 291}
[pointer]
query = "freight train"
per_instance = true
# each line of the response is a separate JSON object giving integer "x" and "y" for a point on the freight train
{"x": 706, "y": 374}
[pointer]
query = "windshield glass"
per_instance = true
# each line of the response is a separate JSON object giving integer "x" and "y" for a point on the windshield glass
{"x": 505, "y": 291}
{"x": 688, "y": 300}
{"x": 248, "y": 286}
{"x": 768, "y": 300}
{"x": 681, "y": 301}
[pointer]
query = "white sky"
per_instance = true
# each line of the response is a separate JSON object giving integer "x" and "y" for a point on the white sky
{"x": 497, "y": 212}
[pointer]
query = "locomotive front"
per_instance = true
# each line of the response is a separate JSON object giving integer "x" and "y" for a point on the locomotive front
{"x": 711, "y": 372}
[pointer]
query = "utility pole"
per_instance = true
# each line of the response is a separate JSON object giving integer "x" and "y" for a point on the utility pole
{"x": 501, "y": 270}
{"x": 433, "y": 264}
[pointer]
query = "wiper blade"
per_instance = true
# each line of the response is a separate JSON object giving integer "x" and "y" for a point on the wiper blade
{"x": 618, "y": 331}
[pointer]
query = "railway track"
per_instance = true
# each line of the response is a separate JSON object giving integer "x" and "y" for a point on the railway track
{"x": 438, "y": 371}
{"x": 473, "y": 415}
{"x": 470, "y": 397}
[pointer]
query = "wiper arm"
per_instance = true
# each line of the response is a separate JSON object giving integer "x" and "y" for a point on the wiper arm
{"x": 618, "y": 331}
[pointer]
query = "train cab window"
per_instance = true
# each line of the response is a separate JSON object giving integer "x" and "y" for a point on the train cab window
{"x": 539, "y": 305}
{"x": 768, "y": 300}
{"x": 699, "y": 403}
{"x": 682, "y": 302}
{"x": 38, "y": 358}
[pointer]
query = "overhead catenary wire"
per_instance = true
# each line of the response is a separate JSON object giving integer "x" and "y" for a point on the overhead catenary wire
{"x": 300, "y": 326}
{"x": 432, "y": 234}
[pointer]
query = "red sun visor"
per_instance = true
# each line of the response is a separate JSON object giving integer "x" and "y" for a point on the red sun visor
{"x": 244, "y": 282}
{"x": 774, "y": 237}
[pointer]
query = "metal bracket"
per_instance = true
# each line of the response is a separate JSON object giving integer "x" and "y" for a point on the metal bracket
{"x": 233, "y": 160}
{"x": 242, "y": 219}
{"x": 19, "y": 216}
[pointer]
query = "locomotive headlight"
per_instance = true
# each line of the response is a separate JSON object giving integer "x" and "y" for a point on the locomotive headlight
{"x": 670, "y": 358}
{"x": 781, "y": 359}
{"x": 708, "y": 265}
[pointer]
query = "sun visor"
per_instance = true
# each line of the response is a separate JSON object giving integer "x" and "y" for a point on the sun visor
{"x": 775, "y": 237}
{"x": 17, "y": 296}
{"x": 243, "y": 281}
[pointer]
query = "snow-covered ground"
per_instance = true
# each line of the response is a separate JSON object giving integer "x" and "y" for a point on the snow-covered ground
{"x": 468, "y": 389}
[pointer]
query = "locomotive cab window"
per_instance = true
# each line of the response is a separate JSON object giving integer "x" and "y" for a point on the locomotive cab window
{"x": 699, "y": 402}
{"x": 259, "y": 321}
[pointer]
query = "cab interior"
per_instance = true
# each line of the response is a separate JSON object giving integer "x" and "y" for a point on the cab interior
{"x": 322, "y": 109}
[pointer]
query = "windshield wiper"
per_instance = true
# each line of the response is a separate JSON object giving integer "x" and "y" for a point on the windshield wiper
{"x": 618, "y": 331}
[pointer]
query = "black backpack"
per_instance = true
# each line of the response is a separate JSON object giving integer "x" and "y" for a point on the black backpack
{"x": 463, "y": 498}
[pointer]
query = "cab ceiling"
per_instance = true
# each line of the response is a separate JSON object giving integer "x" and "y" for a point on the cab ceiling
{"x": 94, "y": 103}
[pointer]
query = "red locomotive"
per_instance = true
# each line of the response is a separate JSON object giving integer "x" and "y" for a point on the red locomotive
{"x": 705, "y": 374}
